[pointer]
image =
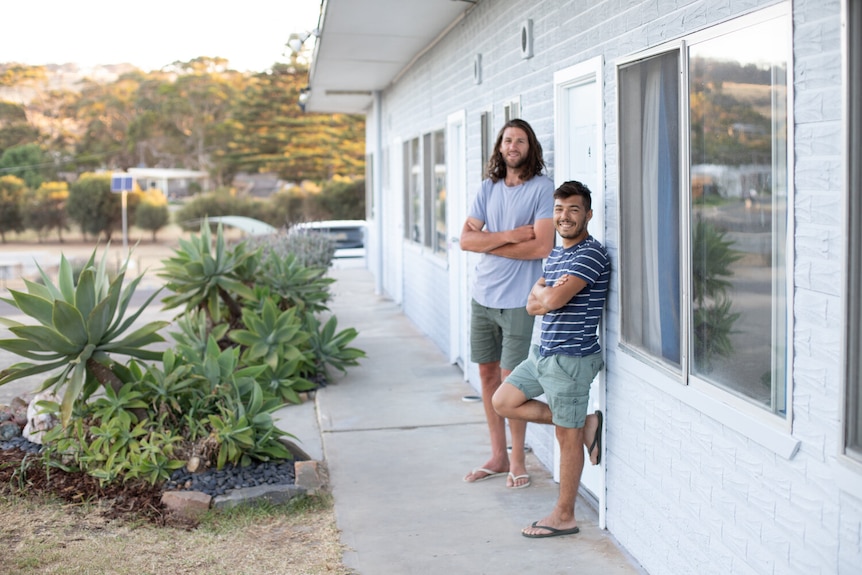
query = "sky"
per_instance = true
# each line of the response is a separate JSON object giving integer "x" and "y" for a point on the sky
{"x": 250, "y": 34}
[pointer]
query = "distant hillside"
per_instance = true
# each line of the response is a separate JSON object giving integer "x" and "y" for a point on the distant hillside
{"x": 60, "y": 77}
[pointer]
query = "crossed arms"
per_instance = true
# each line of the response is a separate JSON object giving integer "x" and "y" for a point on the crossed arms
{"x": 543, "y": 298}
{"x": 529, "y": 242}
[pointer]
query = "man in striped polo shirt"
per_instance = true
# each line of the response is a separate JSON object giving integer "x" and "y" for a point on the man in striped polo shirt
{"x": 571, "y": 296}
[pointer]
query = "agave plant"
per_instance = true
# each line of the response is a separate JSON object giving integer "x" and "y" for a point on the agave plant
{"x": 294, "y": 283}
{"x": 79, "y": 326}
{"x": 205, "y": 276}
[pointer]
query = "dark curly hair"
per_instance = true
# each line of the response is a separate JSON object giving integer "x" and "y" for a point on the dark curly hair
{"x": 534, "y": 164}
{"x": 574, "y": 188}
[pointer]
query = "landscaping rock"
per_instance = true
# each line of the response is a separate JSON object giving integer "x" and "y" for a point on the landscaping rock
{"x": 39, "y": 420}
{"x": 189, "y": 504}
{"x": 247, "y": 495}
{"x": 9, "y": 430}
{"x": 311, "y": 475}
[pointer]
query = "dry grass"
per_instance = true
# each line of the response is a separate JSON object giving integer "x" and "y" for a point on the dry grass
{"x": 47, "y": 537}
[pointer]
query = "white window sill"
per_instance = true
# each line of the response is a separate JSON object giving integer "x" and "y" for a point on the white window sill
{"x": 752, "y": 427}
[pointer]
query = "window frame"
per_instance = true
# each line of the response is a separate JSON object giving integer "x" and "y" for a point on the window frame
{"x": 439, "y": 167}
{"x": 851, "y": 395}
{"x": 486, "y": 144}
{"x": 512, "y": 109}
{"x": 741, "y": 410}
{"x": 420, "y": 214}
{"x": 412, "y": 188}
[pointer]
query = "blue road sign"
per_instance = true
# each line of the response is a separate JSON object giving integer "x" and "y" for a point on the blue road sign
{"x": 122, "y": 183}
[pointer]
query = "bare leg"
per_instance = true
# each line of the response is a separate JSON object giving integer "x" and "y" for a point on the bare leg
{"x": 571, "y": 465}
{"x": 517, "y": 458}
{"x": 489, "y": 374}
{"x": 509, "y": 401}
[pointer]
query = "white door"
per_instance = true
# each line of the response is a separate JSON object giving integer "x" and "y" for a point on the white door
{"x": 456, "y": 214}
{"x": 578, "y": 147}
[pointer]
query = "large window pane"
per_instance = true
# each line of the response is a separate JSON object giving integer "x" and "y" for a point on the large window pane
{"x": 738, "y": 137}
{"x": 650, "y": 214}
{"x": 415, "y": 191}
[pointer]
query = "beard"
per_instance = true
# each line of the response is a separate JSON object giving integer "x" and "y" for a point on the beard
{"x": 515, "y": 164}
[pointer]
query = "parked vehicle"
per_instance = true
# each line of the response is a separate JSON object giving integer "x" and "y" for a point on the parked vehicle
{"x": 349, "y": 235}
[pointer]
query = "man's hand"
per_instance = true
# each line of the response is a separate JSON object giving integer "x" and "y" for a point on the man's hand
{"x": 544, "y": 298}
{"x": 522, "y": 234}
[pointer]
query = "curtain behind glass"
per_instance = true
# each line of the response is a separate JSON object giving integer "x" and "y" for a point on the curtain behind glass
{"x": 649, "y": 180}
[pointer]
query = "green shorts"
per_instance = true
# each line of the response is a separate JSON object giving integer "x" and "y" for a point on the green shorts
{"x": 502, "y": 335}
{"x": 564, "y": 379}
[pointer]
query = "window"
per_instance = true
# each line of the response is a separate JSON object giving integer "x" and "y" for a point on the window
{"x": 853, "y": 352}
{"x": 487, "y": 128}
{"x": 512, "y": 110}
{"x": 439, "y": 193}
{"x": 412, "y": 191}
{"x": 425, "y": 191}
{"x": 704, "y": 219}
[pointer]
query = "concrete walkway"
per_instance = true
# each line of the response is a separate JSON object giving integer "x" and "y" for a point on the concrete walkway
{"x": 398, "y": 439}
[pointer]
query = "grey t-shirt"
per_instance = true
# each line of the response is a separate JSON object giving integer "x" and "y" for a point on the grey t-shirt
{"x": 500, "y": 282}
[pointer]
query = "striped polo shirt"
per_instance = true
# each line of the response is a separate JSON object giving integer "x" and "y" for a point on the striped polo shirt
{"x": 572, "y": 329}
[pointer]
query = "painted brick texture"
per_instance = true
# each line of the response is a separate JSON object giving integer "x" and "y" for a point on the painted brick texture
{"x": 686, "y": 493}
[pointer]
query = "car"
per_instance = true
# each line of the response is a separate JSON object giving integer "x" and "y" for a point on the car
{"x": 349, "y": 235}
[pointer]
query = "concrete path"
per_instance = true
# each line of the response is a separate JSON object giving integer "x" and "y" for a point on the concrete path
{"x": 398, "y": 439}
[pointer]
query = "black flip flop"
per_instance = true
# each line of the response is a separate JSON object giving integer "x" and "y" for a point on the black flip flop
{"x": 551, "y": 531}
{"x": 597, "y": 440}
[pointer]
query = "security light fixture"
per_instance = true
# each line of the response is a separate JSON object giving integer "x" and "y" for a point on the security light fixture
{"x": 296, "y": 40}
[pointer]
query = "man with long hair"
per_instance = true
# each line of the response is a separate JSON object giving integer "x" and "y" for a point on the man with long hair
{"x": 511, "y": 225}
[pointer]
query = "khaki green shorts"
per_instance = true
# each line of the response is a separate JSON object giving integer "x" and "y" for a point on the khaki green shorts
{"x": 564, "y": 379}
{"x": 502, "y": 335}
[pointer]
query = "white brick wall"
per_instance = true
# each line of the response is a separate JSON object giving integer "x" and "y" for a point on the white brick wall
{"x": 686, "y": 493}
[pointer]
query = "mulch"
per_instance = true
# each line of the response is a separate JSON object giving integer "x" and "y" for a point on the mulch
{"x": 25, "y": 475}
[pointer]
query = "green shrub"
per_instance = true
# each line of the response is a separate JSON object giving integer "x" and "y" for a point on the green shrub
{"x": 222, "y": 203}
{"x": 310, "y": 250}
{"x": 152, "y": 217}
{"x": 247, "y": 342}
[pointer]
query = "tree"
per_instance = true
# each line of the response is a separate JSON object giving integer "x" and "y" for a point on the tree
{"x": 104, "y": 113}
{"x": 276, "y": 136}
{"x": 344, "y": 199}
{"x": 93, "y": 206}
{"x": 152, "y": 212}
{"x": 27, "y": 162}
{"x": 12, "y": 190}
{"x": 197, "y": 114}
{"x": 15, "y": 129}
{"x": 196, "y": 105}
{"x": 45, "y": 209}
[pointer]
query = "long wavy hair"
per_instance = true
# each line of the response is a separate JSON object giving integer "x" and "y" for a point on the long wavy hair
{"x": 534, "y": 164}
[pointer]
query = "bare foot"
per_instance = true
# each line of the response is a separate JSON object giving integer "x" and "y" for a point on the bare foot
{"x": 518, "y": 477}
{"x": 483, "y": 473}
{"x": 550, "y": 526}
{"x": 518, "y": 481}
